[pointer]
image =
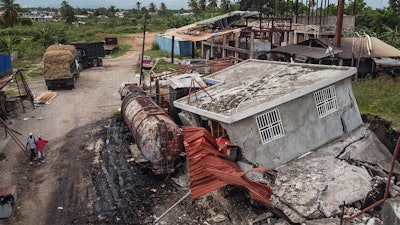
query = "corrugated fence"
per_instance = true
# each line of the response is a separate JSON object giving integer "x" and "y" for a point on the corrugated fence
{"x": 5, "y": 63}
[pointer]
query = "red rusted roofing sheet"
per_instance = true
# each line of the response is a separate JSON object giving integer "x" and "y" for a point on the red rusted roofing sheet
{"x": 209, "y": 172}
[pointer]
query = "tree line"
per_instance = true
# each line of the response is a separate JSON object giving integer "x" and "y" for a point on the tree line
{"x": 381, "y": 23}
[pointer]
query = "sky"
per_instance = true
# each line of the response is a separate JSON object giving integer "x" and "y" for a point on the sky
{"x": 129, "y": 4}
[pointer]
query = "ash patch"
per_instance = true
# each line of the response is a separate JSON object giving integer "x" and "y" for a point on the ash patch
{"x": 98, "y": 184}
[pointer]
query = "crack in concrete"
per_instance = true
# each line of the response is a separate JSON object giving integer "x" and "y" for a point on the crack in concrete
{"x": 349, "y": 144}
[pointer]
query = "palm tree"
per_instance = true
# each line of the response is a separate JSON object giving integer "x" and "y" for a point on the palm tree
{"x": 225, "y": 4}
{"x": 193, "y": 5}
{"x": 138, "y": 4}
{"x": 212, "y": 4}
{"x": 67, "y": 12}
{"x": 152, "y": 7}
{"x": 10, "y": 15}
{"x": 7, "y": 43}
{"x": 202, "y": 5}
{"x": 163, "y": 9}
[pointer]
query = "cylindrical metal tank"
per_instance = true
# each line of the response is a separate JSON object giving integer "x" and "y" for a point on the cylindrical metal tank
{"x": 157, "y": 136}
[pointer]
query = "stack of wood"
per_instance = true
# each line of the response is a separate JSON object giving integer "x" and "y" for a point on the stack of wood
{"x": 45, "y": 98}
{"x": 57, "y": 60}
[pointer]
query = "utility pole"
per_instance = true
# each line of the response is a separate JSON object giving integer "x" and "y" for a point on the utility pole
{"x": 339, "y": 23}
{"x": 141, "y": 62}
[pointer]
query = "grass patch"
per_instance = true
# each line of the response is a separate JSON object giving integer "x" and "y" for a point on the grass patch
{"x": 120, "y": 50}
{"x": 12, "y": 92}
{"x": 379, "y": 97}
{"x": 117, "y": 113}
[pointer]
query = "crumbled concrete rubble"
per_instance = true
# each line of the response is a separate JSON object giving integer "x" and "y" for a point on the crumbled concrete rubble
{"x": 316, "y": 185}
{"x": 391, "y": 211}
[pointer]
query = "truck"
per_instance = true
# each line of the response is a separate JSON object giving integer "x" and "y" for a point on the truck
{"x": 89, "y": 54}
{"x": 60, "y": 66}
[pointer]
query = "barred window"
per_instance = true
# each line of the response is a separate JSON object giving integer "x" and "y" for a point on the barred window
{"x": 326, "y": 102}
{"x": 270, "y": 126}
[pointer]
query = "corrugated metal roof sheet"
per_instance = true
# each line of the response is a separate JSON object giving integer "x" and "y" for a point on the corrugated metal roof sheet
{"x": 387, "y": 62}
{"x": 379, "y": 48}
{"x": 185, "y": 81}
{"x": 357, "y": 47}
{"x": 193, "y": 32}
{"x": 209, "y": 172}
{"x": 221, "y": 21}
{"x": 312, "y": 52}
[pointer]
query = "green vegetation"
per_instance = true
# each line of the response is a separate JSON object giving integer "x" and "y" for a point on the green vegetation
{"x": 377, "y": 97}
{"x": 380, "y": 97}
{"x": 117, "y": 113}
{"x": 120, "y": 50}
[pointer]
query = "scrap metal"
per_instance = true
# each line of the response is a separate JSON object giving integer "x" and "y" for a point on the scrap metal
{"x": 209, "y": 171}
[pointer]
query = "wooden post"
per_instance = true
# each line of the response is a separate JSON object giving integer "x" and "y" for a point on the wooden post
{"x": 141, "y": 62}
{"x": 193, "y": 49}
{"x": 172, "y": 49}
{"x": 339, "y": 23}
{"x": 251, "y": 44}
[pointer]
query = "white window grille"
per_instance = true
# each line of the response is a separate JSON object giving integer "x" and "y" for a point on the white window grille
{"x": 270, "y": 126}
{"x": 326, "y": 102}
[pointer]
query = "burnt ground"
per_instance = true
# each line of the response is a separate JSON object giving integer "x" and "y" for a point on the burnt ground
{"x": 103, "y": 187}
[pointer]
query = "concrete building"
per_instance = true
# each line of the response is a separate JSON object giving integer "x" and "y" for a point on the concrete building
{"x": 275, "y": 111}
{"x": 38, "y": 17}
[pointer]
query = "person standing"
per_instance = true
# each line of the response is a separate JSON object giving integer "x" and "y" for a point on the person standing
{"x": 31, "y": 143}
{"x": 40, "y": 143}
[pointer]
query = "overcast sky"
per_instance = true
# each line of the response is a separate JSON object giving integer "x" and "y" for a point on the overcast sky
{"x": 129, "y": 4}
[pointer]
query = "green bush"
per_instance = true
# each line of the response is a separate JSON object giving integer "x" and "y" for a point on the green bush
{"x": 155, "y": 46}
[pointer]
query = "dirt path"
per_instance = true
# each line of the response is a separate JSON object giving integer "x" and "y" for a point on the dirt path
{"x": 94, "y": 98}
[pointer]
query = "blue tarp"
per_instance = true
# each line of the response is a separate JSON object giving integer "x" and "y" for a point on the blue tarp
{"x": 5, "y": 63}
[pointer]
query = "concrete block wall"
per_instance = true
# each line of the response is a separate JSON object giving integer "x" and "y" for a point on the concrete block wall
{"x": 304, "y": 130}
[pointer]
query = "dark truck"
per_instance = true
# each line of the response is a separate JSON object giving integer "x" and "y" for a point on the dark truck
{"x": 89, "y": 54}
{"x": 60, "y": 66}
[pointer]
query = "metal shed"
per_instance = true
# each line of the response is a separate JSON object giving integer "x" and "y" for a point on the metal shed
{"x": 182, "y": 47}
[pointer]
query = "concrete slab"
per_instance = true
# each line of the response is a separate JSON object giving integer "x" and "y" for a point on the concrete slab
{"x": 252, "y": 86}
{"x": 371, "y": 151}
{"x": 391, "y": 211}
{"x": 318, "y": 183}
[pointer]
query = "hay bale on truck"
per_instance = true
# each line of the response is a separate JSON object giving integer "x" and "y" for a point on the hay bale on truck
{"x": 60, "y": 66}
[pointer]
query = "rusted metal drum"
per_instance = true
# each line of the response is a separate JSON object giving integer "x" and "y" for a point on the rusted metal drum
{"x": 157, "y": 136}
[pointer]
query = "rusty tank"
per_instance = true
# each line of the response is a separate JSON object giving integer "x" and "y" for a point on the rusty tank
{"x": 156, "y": 135}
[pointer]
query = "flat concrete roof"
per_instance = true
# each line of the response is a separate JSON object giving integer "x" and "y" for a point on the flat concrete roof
{"x": 254, "y": 86}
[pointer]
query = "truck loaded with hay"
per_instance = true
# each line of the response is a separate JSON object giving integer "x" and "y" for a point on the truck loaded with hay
{"x": 60, "y": 66}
